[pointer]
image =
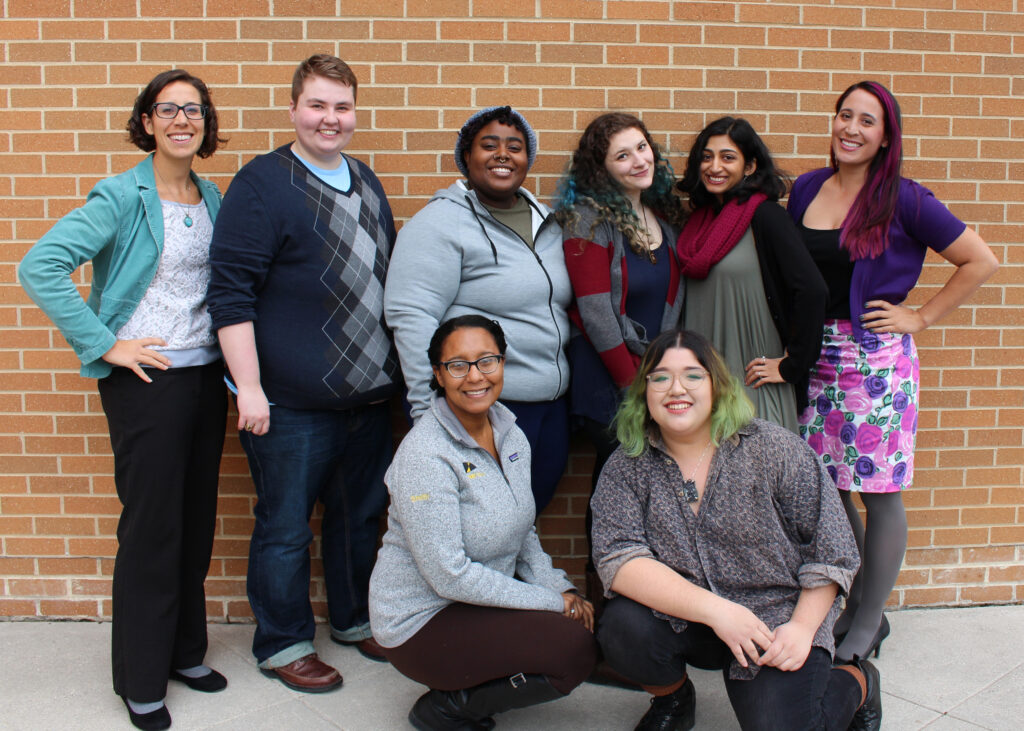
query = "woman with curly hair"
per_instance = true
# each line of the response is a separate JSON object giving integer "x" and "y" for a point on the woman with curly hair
{"x": 751, "y": 287}
{"x": 616, "y": 207}
{"x": 145, "y": 334}
{"x": 868, "y": 229}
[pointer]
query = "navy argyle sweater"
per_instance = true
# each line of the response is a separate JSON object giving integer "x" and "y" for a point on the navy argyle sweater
{"x": 306, "y": 264}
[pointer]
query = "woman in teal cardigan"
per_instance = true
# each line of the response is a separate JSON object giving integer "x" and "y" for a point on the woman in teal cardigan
{"x": 144, "y": 333}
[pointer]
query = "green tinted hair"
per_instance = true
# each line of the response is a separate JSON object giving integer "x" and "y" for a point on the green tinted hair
{"x": 730, "y": 408}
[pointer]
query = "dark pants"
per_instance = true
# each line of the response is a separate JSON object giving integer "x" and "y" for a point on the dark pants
{"x": 646, "y": 649}
{"x": 338, "y": 458}
{"x": 167, "y": 438}
{"x": 465, "y": 645}
{"x": 603, "y": 438}
{"x": 546, "y": 426}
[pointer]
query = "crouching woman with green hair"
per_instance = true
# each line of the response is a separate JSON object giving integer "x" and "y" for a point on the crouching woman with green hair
{"x": 722, "y": 544}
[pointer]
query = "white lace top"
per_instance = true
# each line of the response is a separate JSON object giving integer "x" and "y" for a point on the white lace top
{"x": 174, "y": 306}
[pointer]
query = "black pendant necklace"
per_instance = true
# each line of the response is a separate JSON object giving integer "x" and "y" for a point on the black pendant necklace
{"x": 689, "y": 491}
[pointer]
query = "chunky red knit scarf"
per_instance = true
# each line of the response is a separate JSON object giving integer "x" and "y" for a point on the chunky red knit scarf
{"x": 707, "y": 238}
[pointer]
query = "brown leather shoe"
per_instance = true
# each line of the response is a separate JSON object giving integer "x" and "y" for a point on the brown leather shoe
{"x": 368, "y": 648}
{"x": 308, "y": 674}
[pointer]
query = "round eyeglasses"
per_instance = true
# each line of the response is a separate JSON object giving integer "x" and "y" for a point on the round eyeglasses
{"x": 688, "y": 379}
{"x": 169, "y": 110}
{"x": 460, "y": 368}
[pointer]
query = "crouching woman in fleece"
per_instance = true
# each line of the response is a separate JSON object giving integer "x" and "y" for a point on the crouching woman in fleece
{"x": 463, "y": 598}
{"x": 723, "y": 545}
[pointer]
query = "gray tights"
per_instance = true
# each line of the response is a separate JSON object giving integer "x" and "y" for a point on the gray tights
{"x": 882, "y": 543}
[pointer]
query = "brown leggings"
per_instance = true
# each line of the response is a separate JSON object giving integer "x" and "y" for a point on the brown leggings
{"x": 465, "y": 645}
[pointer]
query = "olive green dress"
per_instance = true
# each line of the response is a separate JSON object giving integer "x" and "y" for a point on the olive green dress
{"x": 730, "y": 309}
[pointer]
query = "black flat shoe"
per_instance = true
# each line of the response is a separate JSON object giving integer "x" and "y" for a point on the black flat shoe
{"x": 153, "y": 721}
{"x": 212, "y": 682}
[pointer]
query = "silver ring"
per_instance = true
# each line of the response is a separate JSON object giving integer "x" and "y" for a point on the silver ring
{"x": 572, "y": 610}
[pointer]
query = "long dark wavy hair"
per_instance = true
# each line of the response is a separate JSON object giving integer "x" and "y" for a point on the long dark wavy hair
{"x": 865, "y": 231}
{"x": 587, "y": 182}
{"x": 766, "y": 178}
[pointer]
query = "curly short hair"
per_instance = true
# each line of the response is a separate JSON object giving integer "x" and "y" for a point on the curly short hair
{"x": 142, "y": 139}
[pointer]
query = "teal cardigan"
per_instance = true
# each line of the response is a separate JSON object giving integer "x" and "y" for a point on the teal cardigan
{"x": 121, "y": 229}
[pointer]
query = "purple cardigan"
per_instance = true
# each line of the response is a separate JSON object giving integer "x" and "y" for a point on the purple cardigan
{"x": 921, "y": 221}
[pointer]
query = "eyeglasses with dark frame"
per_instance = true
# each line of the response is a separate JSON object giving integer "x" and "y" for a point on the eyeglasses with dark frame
{"x": 689, "y": 379}
{"x": 169, "y": 110}
{"x": 460, "y": 368}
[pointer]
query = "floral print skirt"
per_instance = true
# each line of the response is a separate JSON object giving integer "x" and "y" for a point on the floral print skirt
{"x": 862, "y": 416}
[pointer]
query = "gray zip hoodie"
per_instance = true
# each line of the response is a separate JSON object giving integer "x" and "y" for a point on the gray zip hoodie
{"x": 460, "y": 528}
{"x": 454, "y": 258}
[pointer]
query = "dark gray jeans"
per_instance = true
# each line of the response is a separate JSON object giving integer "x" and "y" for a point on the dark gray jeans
{"x": 646, "y": 649}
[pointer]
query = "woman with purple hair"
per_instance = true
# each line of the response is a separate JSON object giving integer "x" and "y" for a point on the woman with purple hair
{"x": 868, "y": 229}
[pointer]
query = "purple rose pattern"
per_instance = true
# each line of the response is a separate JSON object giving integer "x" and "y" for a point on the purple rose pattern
{"x": 867, "y": 444}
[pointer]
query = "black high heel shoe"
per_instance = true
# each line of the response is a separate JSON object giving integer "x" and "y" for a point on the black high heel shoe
{"x": 880, "y": 635}
{"x": 876, "y": 641}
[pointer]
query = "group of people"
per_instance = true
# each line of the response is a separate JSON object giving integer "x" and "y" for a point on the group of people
{"x": 693, "y": 329}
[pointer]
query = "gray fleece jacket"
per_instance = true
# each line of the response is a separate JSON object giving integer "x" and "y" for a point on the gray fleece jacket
{"x": 460, "y": 528}
{"x": 454, "y": 258}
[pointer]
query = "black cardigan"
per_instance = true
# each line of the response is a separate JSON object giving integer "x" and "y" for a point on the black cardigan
{"x": 796, "y": 293}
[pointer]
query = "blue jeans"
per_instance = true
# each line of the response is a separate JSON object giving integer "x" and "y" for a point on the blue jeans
{"x": 338, "y": 458}
{"x": 645, "y": 648}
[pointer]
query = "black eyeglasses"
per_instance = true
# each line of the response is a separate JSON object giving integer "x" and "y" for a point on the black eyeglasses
{"x": 460, "y": 368}
{"x": 169, "y": 110}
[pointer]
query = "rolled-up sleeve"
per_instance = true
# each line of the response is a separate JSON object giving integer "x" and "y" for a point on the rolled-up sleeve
{"x": 618, "y": 535}
{"x": 810, "y": 507}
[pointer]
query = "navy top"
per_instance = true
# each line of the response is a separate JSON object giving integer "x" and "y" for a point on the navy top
{"x": 593, "y": 392}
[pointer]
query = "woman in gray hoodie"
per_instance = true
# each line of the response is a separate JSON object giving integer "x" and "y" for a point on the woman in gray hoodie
{"x": 486, "y": 246}
{"x": 461, "y": 565}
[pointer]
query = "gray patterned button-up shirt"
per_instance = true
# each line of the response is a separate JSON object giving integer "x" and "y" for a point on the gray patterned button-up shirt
{"x": 770, "y": 524}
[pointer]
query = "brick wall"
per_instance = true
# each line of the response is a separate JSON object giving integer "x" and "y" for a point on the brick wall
{"x": 71, "y": 70}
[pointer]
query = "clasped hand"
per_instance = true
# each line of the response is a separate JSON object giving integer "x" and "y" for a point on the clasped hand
{"x": 578, "y": 609}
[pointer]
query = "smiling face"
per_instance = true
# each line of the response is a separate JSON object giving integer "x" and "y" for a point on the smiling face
{"x": 722, "y": 166}
{"x": 471, "y": 396}
{"x": 497, "y": 163}
{"x": 681, "y": 413}
{"x": 324, "y": 116}
{"x": 630, "y": 161}
{"x": 181, "y": 137}
{"x": 858, "y": 130}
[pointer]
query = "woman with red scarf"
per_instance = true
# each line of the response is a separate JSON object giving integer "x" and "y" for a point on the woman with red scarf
{"x": 751, "y": 287}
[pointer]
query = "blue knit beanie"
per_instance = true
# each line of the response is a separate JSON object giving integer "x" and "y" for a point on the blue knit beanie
{"x": 462, "y": 144}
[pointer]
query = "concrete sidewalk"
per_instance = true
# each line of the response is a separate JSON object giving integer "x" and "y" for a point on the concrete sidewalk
{"x": 941, "y": 669}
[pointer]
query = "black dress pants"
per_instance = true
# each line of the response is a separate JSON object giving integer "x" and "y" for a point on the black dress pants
{"x": 167, "y": 437}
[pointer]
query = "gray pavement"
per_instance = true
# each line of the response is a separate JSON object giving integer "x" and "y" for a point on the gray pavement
{"x": 942, "y": 669}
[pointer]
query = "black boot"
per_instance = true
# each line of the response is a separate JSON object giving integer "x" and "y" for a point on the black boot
{"x": 471, "y": 709}
{"x": 504, "y": 694}
{"x": 442, "y": 710}
{"x": 869, "y": 716}
{"x": 673, "y": 712}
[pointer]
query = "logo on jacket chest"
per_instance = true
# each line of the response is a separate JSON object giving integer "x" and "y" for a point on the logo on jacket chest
{"x": 471, "y": 470}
